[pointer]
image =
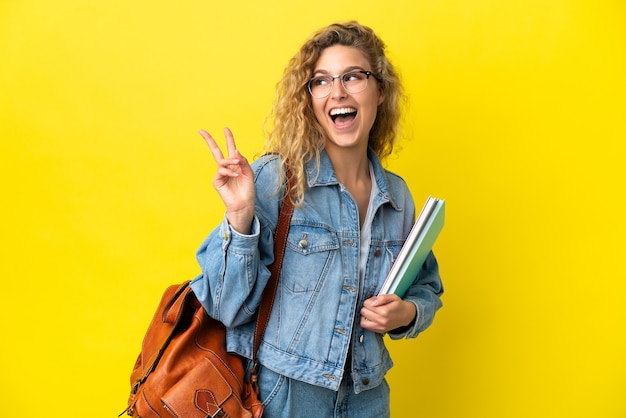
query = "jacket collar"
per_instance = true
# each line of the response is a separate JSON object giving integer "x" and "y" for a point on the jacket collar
{"x": 326, "y": 176}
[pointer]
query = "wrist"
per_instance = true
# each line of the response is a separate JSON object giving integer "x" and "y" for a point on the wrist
{"x": 411, "y": 313}
{"x": 241, "y": 221}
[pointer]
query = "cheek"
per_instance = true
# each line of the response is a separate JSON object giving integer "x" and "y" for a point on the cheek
{"x": 370, "y": 110}
{"x": 369, "y": 116}
{"x": 318, "y": 110}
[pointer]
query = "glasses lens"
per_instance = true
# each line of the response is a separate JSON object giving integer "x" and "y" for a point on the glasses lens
{"x": 354, "y": 81}
{"x": 320, "y": 86}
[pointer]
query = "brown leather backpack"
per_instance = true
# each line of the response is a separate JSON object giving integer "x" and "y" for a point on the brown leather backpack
{"x": 184, "y": 370}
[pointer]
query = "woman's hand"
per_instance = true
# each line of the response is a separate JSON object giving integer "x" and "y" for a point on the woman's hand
{"x": 385, "y": 313}
{"x": 234, "y": 182}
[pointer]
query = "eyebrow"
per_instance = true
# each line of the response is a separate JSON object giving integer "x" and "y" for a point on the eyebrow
{"x": 345, "y": 70}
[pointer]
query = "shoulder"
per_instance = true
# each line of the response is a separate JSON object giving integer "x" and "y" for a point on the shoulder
{"x": 392, "y": 185}
{"x": 266, "y": 161}
{"x": 267, "y": 174}
{"x": 395, "y": 181}
{"x": 267, "y": 165}
{"x": 398, "y": 190}
{"x": 269, "y": 186}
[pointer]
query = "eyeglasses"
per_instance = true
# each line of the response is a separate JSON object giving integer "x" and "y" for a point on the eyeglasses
{"x": 354, "y": 81}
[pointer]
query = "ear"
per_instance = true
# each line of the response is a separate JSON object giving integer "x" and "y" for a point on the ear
{"x": 381, "y": 97}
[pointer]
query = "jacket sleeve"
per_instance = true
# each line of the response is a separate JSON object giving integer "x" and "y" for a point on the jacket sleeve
{"x": 234, "y": 266}
{"x": 233, "y": 274}
{"x": 425, "y": 293}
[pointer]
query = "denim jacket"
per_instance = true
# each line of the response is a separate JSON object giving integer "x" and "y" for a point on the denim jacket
{"x": 315, "y": 319}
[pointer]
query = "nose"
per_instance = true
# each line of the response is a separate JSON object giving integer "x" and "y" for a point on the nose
{"x": 337, "y": 90}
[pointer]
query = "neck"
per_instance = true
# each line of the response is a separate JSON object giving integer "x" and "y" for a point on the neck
{"x": 352, "y": 170}
{"x": 351, "y": 166}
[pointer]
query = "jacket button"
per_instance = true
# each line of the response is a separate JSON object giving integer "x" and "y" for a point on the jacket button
{"x": 303, "y": 242}
{"x": 377, "y": 253}
{"x": 365, "y": 381}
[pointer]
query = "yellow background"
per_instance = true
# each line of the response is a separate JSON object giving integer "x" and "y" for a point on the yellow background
{"x": 517, "y": 118}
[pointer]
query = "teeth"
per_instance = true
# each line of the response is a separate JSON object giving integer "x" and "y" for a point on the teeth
{"x": 342, "y": 111}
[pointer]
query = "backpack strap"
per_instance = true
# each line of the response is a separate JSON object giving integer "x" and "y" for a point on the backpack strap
{"x": 267, "y": 301}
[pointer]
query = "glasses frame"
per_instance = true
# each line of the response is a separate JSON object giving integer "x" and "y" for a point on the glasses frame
{"x": 368, "y": 74}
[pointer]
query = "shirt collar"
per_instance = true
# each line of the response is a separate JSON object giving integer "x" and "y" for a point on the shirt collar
{"x": 326, "y": 176}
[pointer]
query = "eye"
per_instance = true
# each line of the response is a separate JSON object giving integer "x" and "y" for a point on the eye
{"x": 320, "y": 81}
{"x": 353, "y": 76}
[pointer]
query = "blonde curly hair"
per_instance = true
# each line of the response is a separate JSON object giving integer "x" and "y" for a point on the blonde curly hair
{"x": 291, "y": 127}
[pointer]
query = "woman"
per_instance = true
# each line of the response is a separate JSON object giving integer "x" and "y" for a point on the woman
{"x": 335, "y": 116}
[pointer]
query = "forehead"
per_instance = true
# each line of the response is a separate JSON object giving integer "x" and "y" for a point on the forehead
{"x": 338, "y": 58}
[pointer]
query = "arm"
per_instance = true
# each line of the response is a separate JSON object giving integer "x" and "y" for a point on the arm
{"x": 234, "y": 272}
{"x": 407, "y": 317}
{"x": 233, "y": 257}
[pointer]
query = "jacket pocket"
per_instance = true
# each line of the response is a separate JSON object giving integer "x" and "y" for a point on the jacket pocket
{"x": 310, "y": 250}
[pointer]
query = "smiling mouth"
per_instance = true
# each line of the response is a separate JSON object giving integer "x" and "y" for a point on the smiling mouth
{"x": 343, "y": 115}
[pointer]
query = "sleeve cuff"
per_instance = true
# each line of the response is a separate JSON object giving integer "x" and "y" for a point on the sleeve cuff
{"x": 234, "y": 241}
{"x": 408, "y": 331}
